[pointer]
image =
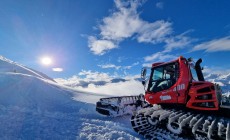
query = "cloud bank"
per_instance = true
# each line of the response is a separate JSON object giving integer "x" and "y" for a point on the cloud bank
{"x": 103, "y": 83}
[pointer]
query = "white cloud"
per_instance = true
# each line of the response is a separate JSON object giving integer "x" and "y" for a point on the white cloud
{"x": 135, "y": 64}
{"x": 160, "y": 5}
{"x": 120, "y": 59}
{"x": 95, "y": 76}
{"x": 74, "y": 80}
{"x": 155, "y": 32}
{"x": 57, "y": 69}
{"x": 222, "y": 44}
{"x": 124, "y": 23}
{"x": 109, "y": 66}
{"x": 131, "y": 87}
{"x": 173, "y": 42}
{"x": 127, "y": 86}
{"x": 159, "y": 57}
{"x": 99, "y": 47}
{"x": 177, "y": 42}
{"x": 148, "y": 65}
{"x": 129, "y": 67}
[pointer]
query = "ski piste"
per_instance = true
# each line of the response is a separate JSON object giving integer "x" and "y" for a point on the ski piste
{"x": 177, "y": 104}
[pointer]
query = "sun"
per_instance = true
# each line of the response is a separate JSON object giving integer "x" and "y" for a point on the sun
{"x": 46, "y": 60}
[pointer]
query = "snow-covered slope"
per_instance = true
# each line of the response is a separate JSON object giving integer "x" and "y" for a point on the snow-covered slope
{"x": 7, "y": 65}
{"x": 34, "y": 107}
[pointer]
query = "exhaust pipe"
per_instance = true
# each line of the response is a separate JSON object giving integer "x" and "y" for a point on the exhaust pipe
{"x": 198, "y": 69}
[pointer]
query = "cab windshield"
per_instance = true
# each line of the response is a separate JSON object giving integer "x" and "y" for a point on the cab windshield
{"x": 163, "y": 77}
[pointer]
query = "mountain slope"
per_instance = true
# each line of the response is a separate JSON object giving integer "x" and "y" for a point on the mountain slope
{"x": 7, "y": 65}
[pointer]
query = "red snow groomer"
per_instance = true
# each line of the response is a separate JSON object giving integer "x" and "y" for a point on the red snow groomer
{"x": 177, "y": 101}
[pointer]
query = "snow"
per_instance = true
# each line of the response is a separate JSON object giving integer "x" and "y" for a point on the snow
{"x": 11, "y": 66}
{"x": 33, "y": 106}
{"x": 222, "y": 79}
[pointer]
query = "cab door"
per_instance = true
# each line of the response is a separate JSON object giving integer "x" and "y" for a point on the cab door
{"x": 162, "y": 84}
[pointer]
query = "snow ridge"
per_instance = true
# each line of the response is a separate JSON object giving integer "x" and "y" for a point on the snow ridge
{"x": 7, "y": 65}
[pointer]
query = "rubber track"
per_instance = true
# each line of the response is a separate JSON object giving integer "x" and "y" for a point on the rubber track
{"x": 175, "y": 124}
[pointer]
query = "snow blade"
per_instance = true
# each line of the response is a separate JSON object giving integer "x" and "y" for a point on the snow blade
{"x": 118, "y": 106}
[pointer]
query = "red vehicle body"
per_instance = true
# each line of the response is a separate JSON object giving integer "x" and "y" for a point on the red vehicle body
{"x": 179, "y": 102}
{"x": 179, "y": 86}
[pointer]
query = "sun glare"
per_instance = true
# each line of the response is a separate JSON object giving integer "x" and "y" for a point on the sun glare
{"x": 46, "y": 60}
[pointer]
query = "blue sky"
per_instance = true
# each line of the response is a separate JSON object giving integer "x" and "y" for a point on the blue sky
{"x": 115, "y": 38}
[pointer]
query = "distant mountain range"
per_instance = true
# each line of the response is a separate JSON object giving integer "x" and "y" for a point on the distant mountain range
{"x": 222, "y": 80}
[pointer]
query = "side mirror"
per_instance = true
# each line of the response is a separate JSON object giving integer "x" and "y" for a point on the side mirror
{"x": 143, "y": 75}
{"x": 190, "y": 59}
{"x": 143, "y": 82}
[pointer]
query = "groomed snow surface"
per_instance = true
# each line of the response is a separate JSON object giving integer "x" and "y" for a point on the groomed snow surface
{"x": 37, "y": 108}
